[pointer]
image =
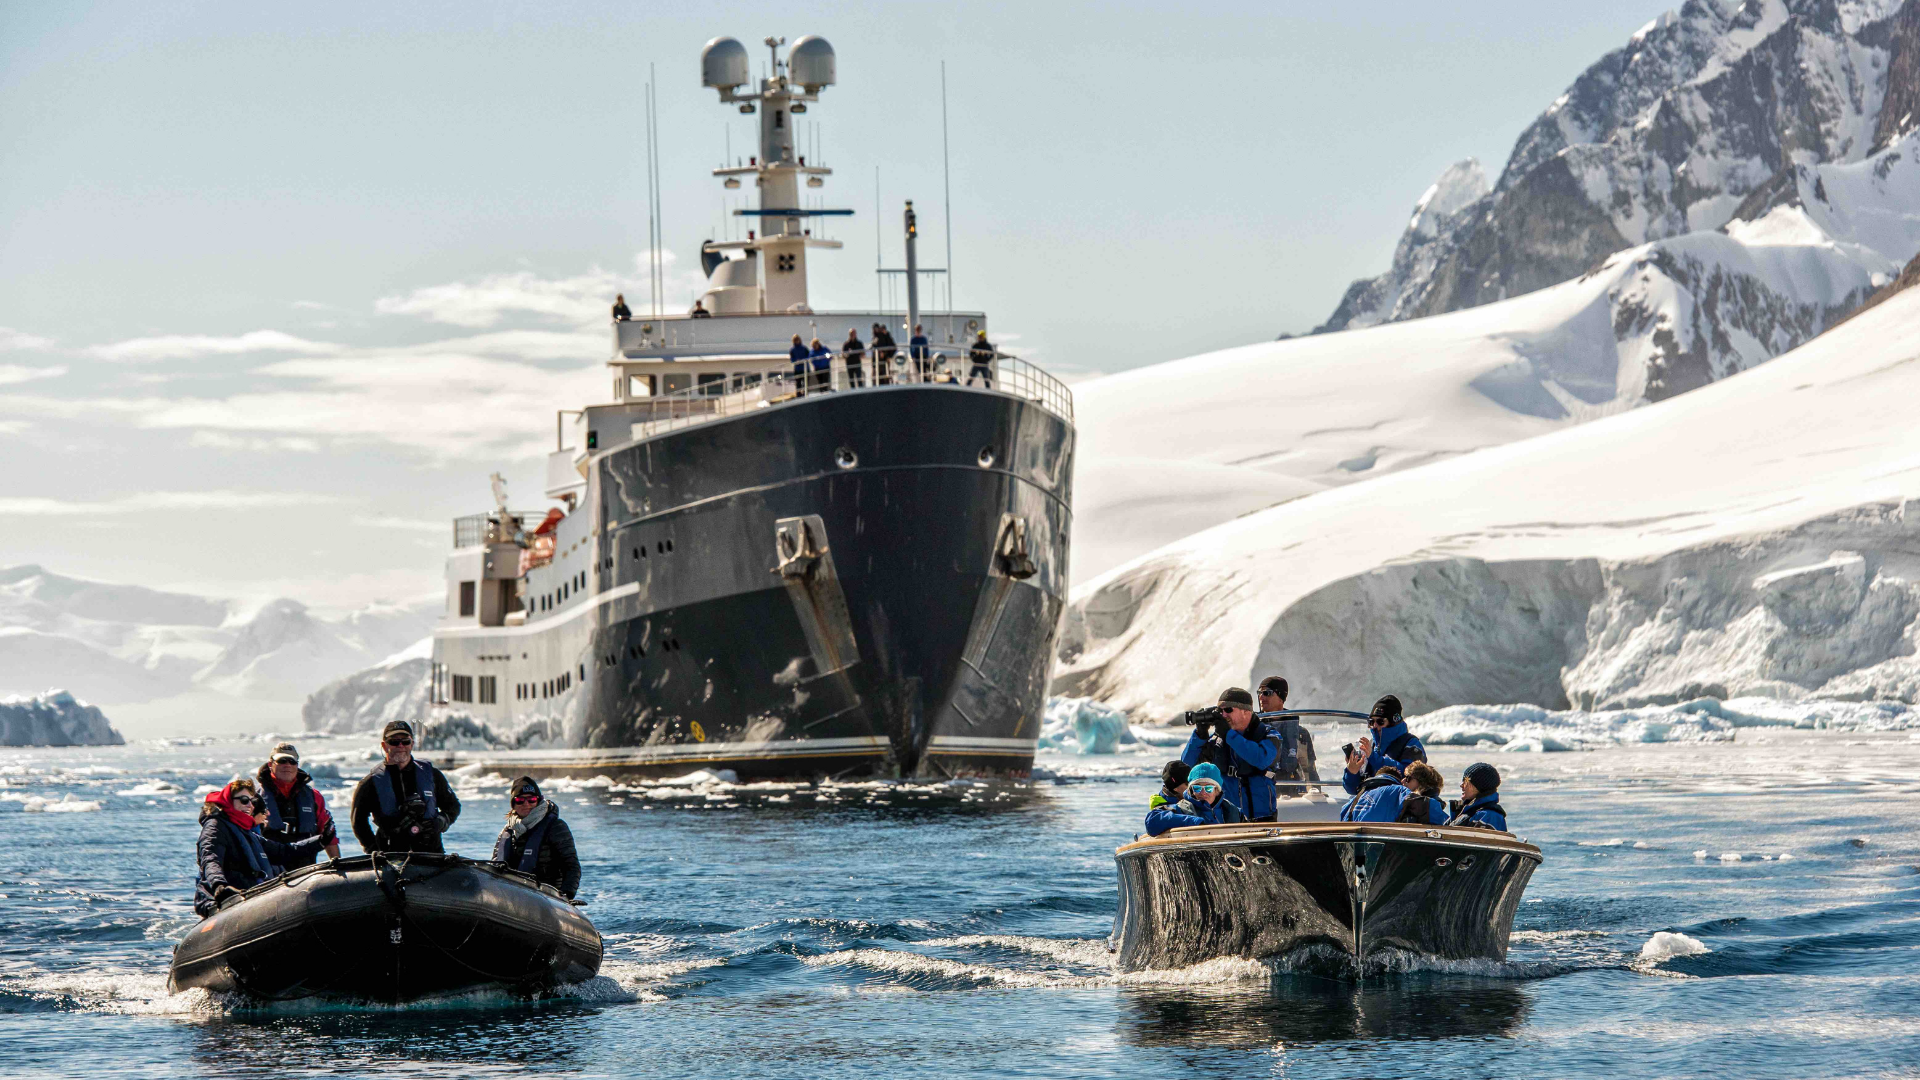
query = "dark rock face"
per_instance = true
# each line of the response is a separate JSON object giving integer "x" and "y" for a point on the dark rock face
{"x": 1703, "y": 116}
{"x": 54, "y": 719}
{"x": 366, "y": 700}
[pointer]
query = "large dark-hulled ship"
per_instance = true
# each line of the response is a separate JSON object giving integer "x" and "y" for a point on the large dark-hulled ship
{"x": 781, "y": 569}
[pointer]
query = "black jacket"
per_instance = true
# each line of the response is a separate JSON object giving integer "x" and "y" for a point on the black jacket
{"x": 223, "y": 860}
{"x": 557, "y": 864}
{"x": 287, "y": 806}
{"x": 378, "y": 832}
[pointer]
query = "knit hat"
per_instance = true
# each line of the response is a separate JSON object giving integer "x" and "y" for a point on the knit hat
{"x": 524, "y": 784}
{"x": 1174, "y": 774}
{"x": 1387, "y": 708}
{"x": 1484, "y": 777}
{"x": 1207, "y": 770}
{"x": 285, "y": 752}
{"x": 1235, "y": 696}
{"x": 1276, "y": 684}
{"x": 403, "y": 727}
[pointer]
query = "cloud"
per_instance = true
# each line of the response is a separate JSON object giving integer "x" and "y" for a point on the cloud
{"x": 11, "y": 339}
{"x": 176, "y": 346}
{"x": 15, "y": 373}
{"x": 148, "y": 501}
{"x": 220, "y": 440}
{"x": 407, "y": 524}
{"x": 582, "y": 299}
{"x": 313, "y": 305}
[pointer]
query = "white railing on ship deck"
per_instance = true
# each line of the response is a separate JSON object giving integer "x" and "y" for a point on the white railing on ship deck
{"x": 949, "y": 367}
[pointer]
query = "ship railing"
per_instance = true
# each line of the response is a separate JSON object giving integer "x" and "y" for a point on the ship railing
{"x": 948, "y": 366}
{"x": 476, "y": 530}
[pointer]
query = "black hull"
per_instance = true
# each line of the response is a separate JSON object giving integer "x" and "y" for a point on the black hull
{"x": 367, "y": 929}
{"x": 1259, "y": 892}
{"x": 907, "y": 645}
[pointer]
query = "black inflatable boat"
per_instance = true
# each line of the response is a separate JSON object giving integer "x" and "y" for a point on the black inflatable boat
{"x": 390, "y": 929}
{"x": 1260, "y": 890}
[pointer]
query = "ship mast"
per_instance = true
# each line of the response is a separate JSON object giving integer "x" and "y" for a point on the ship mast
{"x": 783, "y": 237}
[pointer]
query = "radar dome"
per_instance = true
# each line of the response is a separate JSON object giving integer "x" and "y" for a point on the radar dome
{"x": 810, "y": 63}
{"x": 723, "y": 63}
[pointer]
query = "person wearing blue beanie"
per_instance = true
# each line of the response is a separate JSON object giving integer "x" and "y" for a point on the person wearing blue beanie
{"x": 1206, "y": 791}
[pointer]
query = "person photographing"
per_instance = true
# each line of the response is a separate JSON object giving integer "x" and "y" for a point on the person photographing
{"x": 404, "y": 804}
{"x": 1388, "y": 743}
{"x": 1240, "y": 748}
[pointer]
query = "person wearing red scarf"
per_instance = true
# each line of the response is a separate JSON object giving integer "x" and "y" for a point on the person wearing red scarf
{"x": 232, "y": 854}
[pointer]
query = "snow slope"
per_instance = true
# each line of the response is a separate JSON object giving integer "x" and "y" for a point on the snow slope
{"x": 394, "y": 689}
{"x": 1168, "y": 450}
{"x": 1749, "y": 538}
{"x": 126, "y": 643}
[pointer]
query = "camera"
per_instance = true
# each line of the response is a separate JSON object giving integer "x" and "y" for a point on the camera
{"x": 416, "y": 807}
{"x": 1346, "y": 751}
{"x": 1208, "y": 715}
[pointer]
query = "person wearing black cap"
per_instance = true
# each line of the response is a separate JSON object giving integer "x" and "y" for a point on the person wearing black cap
{"x": 1295, "y": 763}
{"x": 1242, "y": 747}
{"x": 536, "y": 841}
{"x": 294, "y": 809}
{"x": 1389, "y": 743}
{"x": 1479, "y": 805}
{"x": 405, "y": 803}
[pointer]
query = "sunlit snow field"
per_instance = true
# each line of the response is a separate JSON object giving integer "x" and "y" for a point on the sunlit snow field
{"x": 1742, "y": 903}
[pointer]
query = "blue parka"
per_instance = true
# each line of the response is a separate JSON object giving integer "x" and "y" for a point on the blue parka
{"x": 1413, "y": 750}
{"x": 1255, "y": 792}
{"x": 1485, "y": 810}
{"x": 1385, "y": 804}
{"x": 1169, "y": 811}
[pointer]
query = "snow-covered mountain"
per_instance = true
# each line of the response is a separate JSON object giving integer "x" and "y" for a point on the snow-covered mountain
{"x": 1756, "y": 536}
{"x": 125, "y": 643}
{"x": 394, "y": 689}
{"x": 1707, "y": 115}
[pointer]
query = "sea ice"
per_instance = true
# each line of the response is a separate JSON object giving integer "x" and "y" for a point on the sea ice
{"x": 1666, "y": 943}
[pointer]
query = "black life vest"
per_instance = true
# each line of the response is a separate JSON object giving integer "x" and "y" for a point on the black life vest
{"x": 1287, "y": 765}
{"x": 530, "y": 854}
{"x": 422, "y": 783}
{"x": 253, "y": 848}
{"x": 1463, "y": 814}
{"x": 306, "y": 818}
{"x": 1414, "y": 810}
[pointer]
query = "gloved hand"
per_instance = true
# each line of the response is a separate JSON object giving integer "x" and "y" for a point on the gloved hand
{"x": 432, "y": 826}
{"x": 1204, "y": 729}
{"x": 222, "y": 891}
{"x": 306, "y": 844}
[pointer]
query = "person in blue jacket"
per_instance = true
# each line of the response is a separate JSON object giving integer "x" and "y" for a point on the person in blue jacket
{"x": 1480, "y": 799}
{"x": 1242, "y": 748}
{"x": 797, "y": 356}
{"x": 1388, "y": 743}
{"x": 1169, "y": 807}
{"x": 1207, "y": 794}
{"x": 1415, "y": 800}
{"x": 821, "y": 358}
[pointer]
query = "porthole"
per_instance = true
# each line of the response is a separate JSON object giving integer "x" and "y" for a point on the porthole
{"x": 659, "y": 547}
{"x": 1235, "y": 862}
{"x": 1466, "y": 863}
{"x": 987, "y": 457}
{"x": 669, "y": 543}
{"x": 1262, "y": 860}
{"x": 1443, "y": 862}
{"x": 845, "y": 458}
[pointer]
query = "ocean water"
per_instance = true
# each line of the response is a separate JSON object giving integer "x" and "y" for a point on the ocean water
{"x": 1744, "y": 908}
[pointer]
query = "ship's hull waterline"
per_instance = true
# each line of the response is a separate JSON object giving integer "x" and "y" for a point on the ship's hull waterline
{"x": 891, "y": 635}
{"x": 1261, "y": 891}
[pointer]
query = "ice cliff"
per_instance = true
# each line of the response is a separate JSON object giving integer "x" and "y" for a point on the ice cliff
{"x": 1756, "y": 536}
{"x": 55, "y": 718}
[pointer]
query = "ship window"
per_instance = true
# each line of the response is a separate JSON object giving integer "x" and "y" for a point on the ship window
{"x": 466, "y": 599}
{"x": 673, "y": 384}
{"x": 488, "y": 693}
{"x": 713, "y": 385}
{"x": 639, "y": 386}
{"x": 746, "y": 380}
{"x": 463, "y": 688}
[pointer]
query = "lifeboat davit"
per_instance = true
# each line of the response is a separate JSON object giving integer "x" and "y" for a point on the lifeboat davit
{"x": 390, "y": 929}
{"x": 1265, "y": 889}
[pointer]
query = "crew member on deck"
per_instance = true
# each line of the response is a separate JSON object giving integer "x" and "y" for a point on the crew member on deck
{"x": 1479, "y": 805}
{"x": 699, "y": 311}
{"x": 536, "y": 841}
{"x": 294, "y": 809}
{"x": 1390, "y": 744}
{"x": 797, "y": 356}
{"x": 980, "y": 360}
{"x": 921, "y": 354}
{"x": 821, "y": 358}
{"x": 883, "y": 353}
{"x": 1242, "y": 748}
{"x": 621, "y": 313}
{"x": 404, "y": 804}
{"x": 853, "y": 353}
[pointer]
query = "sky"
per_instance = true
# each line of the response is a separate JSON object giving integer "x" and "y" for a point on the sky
{"x": 281, "y": 285}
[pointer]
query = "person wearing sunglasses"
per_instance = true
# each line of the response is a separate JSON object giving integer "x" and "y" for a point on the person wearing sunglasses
{"x": 1414, "y": 799}
{"x": 1241, "y": 747}
{"x": 536, "y": 841}
{"x": 1207, "y": 795}
{"x": 294, "y": 809}
{"x": 404, "y": 804}
{"x": 232, "y": 854}
{"x": 1388, "y": 743}
{"x": 1295, "y": 764}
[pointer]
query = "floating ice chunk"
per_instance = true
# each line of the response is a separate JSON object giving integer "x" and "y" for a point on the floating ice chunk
{"x": 65, "y": 805}
{"x": 1701, "y": 854}
{"x": 1730, "y": 856}
{"x": 1785, "y": 856}
{"x": 152, "y": 787}
{"x": 1641, "y": 844}
{"x": 1085, "y": 726}
{"x": 1665, "y": 944}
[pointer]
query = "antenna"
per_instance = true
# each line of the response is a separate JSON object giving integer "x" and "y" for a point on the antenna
{"x": 652, "y": 237}
{"x": 946, "y": 179}
{"x": 879, "y": 279}
{"x": 653, "y": 157}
